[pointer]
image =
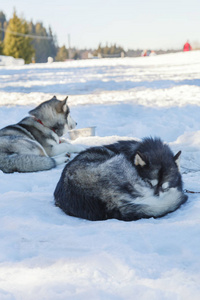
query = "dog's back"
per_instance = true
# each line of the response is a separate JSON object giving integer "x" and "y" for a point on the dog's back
{"x": 22, "y": 154}
{"x": 111, "y": 182}
{"x": 77, "y": 189}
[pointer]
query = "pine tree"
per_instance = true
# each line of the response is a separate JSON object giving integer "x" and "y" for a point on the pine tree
{"x": 18, "y": 46}
{"x": 1, "y": 48}
{"x": 52, "y": 44}
{"x": 1, "y": 40}
{"x": 3, "y": 24}
{"x": 62, "y": 54}
{"x": 43, "y": 47}
{"x": 99, "y": 50}
{"x": 106, "y": 49}
{"x": 113, "y": 50}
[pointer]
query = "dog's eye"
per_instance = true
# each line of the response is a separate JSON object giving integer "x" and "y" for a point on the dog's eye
{"x": 165, "y": 186}
{"x": 154, "y": 182}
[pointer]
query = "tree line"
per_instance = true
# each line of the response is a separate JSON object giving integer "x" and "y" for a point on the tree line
{"x": 35, "y": 43}
{"x": 32, "y": 42}
{"x": 108, "y": 51}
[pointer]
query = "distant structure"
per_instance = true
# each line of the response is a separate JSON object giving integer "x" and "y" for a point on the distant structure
{"x": 86, "y": 55}
{"x": 152, "y": 53}
{"x": 187, "y": 46}
{"x": 49, "y": 60}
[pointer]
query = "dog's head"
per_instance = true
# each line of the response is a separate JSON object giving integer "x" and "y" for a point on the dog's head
{"x": 54, "y": 114}
{"x": 157, "y": 165}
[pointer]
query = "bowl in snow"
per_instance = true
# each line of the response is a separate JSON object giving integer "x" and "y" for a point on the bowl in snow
{"x": 82, "y": 132}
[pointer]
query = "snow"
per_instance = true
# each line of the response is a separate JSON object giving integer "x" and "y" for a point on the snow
{"x": 47, "y": 255}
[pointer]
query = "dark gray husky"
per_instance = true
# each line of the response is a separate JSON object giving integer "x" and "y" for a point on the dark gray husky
{"x": 127, "y": 180}
{"x": 34, "y": 144}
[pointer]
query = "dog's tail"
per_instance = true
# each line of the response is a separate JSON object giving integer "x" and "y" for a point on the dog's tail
{"x": 10, "y": 163}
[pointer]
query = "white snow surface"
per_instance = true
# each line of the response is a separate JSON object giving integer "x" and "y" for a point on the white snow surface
{"x": 47, "y": 255}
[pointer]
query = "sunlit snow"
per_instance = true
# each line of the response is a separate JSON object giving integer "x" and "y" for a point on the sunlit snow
{"x": 47, "y": 255}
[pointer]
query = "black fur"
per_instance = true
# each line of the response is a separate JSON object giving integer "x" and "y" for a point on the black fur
{"x": 106, "y": 182}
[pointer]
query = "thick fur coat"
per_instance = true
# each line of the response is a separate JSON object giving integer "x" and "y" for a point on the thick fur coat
{"x": 35, "y": 144}
{"x": 127, "y": 180}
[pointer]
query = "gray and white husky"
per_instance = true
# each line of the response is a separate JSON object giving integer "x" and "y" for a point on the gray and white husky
{"x": 127, "y": 180}
{"x": 34, "y": 144}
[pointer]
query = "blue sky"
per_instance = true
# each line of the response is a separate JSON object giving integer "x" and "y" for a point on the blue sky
{"x": 130, "y": 23}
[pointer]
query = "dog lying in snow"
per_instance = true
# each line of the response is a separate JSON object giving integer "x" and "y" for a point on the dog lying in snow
{"x": 35, "y": 144}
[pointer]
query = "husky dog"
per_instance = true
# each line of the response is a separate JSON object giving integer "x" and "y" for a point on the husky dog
{"x": 34, "y": 143}
{"x": 127, "y": 180}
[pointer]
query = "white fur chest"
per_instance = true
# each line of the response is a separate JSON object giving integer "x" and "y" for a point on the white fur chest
{"x": 159, "y": 205}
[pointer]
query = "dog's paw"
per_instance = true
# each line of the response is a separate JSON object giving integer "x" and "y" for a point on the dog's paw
{"x": 61, "y": 159}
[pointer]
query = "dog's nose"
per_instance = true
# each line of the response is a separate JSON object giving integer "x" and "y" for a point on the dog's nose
{"x": 157, "y": 191}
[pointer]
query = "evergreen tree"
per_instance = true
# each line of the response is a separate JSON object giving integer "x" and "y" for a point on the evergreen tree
{"x": 18, "y": 46}
{"x": 62, "y": 54}
{"x": 1, "y": 48}
{"x": 75, "y": 55}
{"x": 99, "y": 50}
{"x": 106, "y": 51}
{"x": 3, "y": 24}
{"x": 44, "y": 47}
{"x": 52, "y": 44}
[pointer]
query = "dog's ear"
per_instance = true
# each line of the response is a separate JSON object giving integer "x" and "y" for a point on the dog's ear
{"x": 140, "y": 159}
{"x": 177, "y": 158}
{"x": 62, "y": 106}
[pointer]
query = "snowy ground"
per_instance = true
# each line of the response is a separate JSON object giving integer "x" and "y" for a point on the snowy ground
{"x": 47, "y": 255}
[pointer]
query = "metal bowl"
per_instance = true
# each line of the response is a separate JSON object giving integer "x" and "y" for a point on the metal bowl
{"x": 82, "y": 132}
